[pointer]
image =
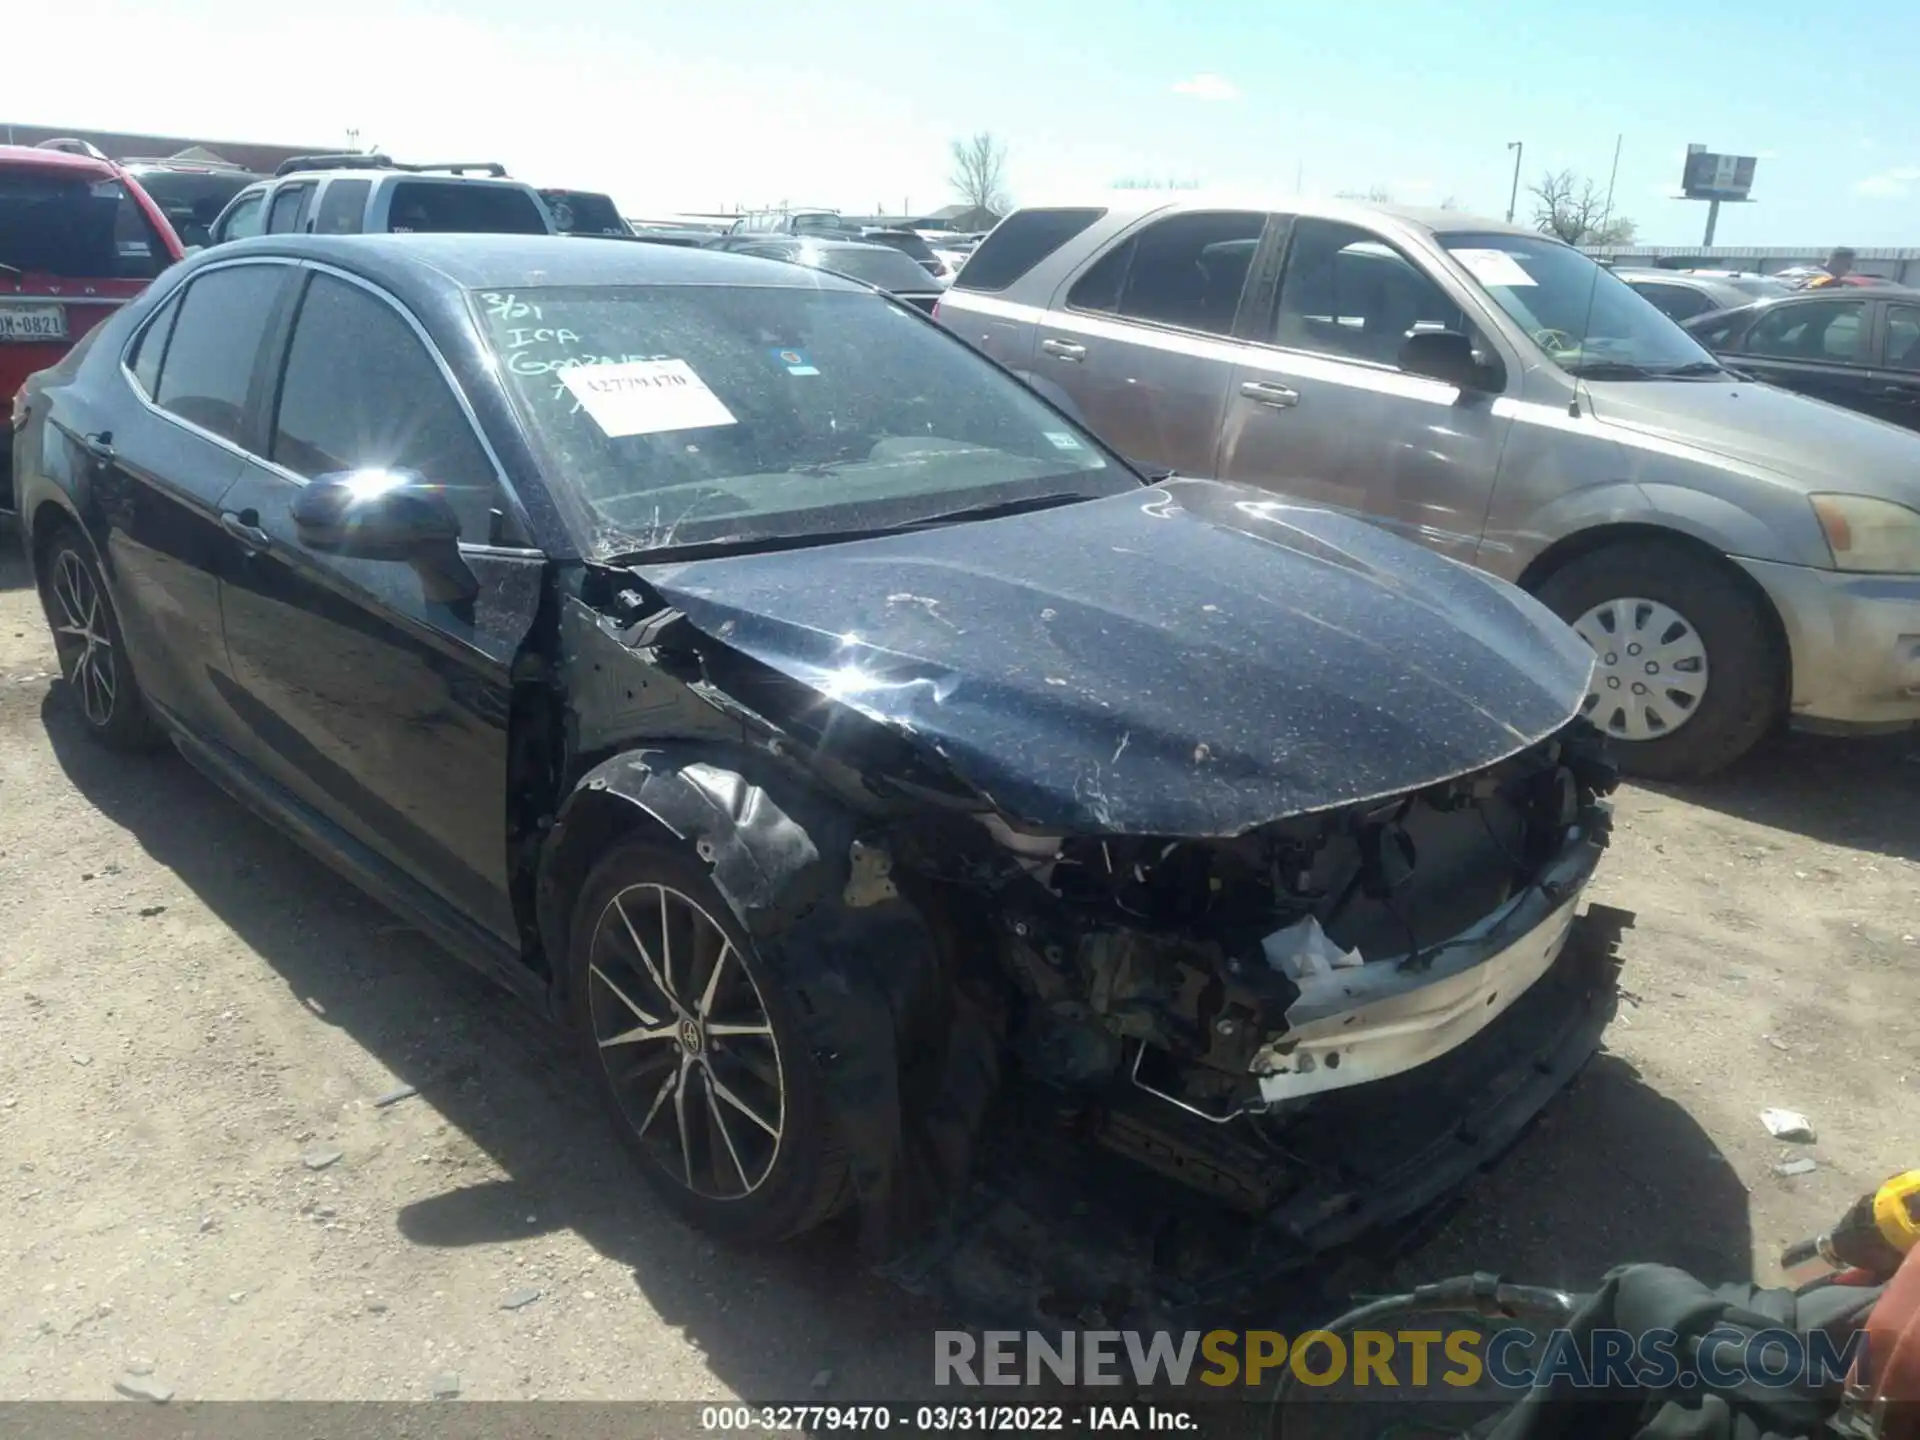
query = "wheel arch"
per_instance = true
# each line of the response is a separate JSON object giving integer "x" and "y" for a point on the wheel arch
{"x": 774, "y": 849}
{"x": 860, "y": 962}
{"x": 1580, "y": 543}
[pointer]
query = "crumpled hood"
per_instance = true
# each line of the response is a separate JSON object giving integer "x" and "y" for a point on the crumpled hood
{"x": 1815, "y": 445}
{"x": 1188, "y": 659}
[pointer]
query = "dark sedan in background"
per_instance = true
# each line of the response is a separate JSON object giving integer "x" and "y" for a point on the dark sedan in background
{"x": 1683, "y": 294}
{"x": 1859, "y": 347}
{"x": 880, "y": 266}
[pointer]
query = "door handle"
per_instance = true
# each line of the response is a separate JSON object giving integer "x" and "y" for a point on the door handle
{"x": 1064, "y": 349}
{"x": 99, "y": 445}
{"x": 1278, "y": 396}
{"x": 245, "y": 527}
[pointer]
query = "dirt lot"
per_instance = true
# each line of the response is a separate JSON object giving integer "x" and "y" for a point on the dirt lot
{"x": 191, "y": 1006}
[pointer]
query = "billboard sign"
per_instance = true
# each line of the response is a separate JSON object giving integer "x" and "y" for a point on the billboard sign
{"x": 1716, "y": 177}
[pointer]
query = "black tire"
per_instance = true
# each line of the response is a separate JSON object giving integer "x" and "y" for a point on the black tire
{"x": 1745, "y": 689}
{"x": 95, "y": 669}
{"x": 807, "y": 1177}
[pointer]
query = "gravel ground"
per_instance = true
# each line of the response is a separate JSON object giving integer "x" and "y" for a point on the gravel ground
{"x": 200, "y": 1190}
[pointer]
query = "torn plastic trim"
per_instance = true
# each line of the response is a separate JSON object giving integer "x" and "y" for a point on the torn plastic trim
{"x": 1356, "y": 1026}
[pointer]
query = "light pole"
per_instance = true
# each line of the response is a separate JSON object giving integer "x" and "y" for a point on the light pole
{"x": 1518, "y": 148}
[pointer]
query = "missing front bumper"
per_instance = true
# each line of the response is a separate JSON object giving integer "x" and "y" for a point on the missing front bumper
{"x": 1360, "y": 1026}
{"x": 1051, "y": 1227}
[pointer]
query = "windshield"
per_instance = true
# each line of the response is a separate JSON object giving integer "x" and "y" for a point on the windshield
{"x": 76, "y": 228}
{"x": 905, "y": 241}
{"x": 575, "y": 213}
{"x": 193, "y": 199}
{"x": 1586, "y": 319}
{"x": 454, "y": 207}
{"x": 873, "y": 264}
{"x": 691, "y": 414}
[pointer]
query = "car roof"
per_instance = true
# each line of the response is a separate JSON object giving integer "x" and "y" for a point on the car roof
{"x": 17, "y": 156}
{"x": 484, "y": 262}
{"x": 1128, "y": 205}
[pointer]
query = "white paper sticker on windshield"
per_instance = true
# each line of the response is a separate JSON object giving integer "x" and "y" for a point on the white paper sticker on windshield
{"x": 1061, "y": 440}
{"x": 1494, "y": 267}
{"x": 644, "y": 397}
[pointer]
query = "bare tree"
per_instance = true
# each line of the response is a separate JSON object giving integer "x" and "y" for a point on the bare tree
{"x": 1574, "y": 209}
{"x": 979, "y": 172}
{"x": 1373, "y": 195}
{"x": 1147, "y": 182}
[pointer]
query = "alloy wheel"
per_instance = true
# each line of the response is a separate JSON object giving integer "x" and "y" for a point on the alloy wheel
{"x": 1650, "y": 670}
{"x": 686, "y": 1042}
{"x": 82, "y": 638}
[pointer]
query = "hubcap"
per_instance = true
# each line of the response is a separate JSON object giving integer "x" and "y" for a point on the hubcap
{"x": 1650, "y": 669}
{"x": 80, "y": 635}
{"x": 680, "y": 1025}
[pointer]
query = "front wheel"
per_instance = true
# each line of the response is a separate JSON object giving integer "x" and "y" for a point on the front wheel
{"x": 1687, "y": 677}
{"x": 697, "y": 1051}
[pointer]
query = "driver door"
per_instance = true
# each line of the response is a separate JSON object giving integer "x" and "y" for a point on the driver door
{"x": 1319, "y": 410}
{"x": 376, "y": 699}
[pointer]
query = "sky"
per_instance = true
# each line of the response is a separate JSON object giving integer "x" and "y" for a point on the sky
{"x": 678, "y": 105}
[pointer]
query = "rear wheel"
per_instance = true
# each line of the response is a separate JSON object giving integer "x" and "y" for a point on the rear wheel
{"x": 697, "y": 1051}
{"x": 1687, "y": 678}
{"x": 100, "y": 686}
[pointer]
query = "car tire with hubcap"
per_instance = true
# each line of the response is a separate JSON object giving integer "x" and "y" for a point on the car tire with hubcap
{"x": 1687, "y": 678}
{"x": 697, "y": 1051}
{"x": 93, "y": 654}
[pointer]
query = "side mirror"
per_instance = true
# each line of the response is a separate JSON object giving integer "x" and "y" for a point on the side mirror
{"x": 388, "y": 515}
{"x": 1444, "y": 355}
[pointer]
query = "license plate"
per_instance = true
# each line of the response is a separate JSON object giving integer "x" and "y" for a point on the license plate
{"x": 33, "y": 322}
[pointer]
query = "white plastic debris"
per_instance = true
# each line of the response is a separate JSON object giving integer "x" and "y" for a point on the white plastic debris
{"x": 1787, "y": 1125}
{"x": 1805, "y": 1165}
{"x": 1303, "y": 949}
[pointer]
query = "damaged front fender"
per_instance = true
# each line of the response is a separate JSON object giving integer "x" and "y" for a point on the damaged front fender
{"x": 828, "y": 924}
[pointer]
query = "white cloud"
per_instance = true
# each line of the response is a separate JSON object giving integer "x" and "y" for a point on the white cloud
{"x": 1888, "y": 184}
{"x": 1207, "y": 86}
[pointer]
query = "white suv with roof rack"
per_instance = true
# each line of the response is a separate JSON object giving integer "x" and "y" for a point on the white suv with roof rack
{"x": 372, "y": 194}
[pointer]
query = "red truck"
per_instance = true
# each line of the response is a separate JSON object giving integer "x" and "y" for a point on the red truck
{"x": 78, "y": 239}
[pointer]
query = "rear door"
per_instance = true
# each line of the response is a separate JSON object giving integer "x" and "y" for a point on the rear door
{"x": 979, "y": 309}
{"x": 373, "y": 693}
{"x": 1896, "y": 379}
{"x": 1320, "y": 410}
{"x": 158, "y": 474}
{"x": 1819, "y": 347}
{"x": 1142, "y": 339}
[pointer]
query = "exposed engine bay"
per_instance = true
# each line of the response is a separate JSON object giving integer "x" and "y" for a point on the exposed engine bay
{"x": 1192, "y": 996}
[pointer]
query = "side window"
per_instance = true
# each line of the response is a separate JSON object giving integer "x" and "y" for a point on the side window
{"x": 153, "y": 347}
{"x": 1825, "y": 330}
{"x": 216, "y": 338}
{"x": 361, "y": 392}
{"x": 1347, "y": 293}
{"x": 289, "y": 209}
{"x": 1724, "y": 332}
{"x": 1903, "y": 337}
{"x": 247, "y": 218}
{"x": 1675, "y": 301}
{"x": 343, "y": 204}
{"x": 1188, "y": 271}
{"x": 1020, "y": 242}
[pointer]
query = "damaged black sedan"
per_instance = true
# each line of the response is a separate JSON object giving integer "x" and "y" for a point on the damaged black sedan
{"x": 838, "y": 738}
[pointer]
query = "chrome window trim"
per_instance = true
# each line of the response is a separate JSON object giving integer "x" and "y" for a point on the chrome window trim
{"x": 433, "y": 351}
{"x": 139, "y": 391}
{"x": 1134, "y": 232}
{"x": 453, "y": 385}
